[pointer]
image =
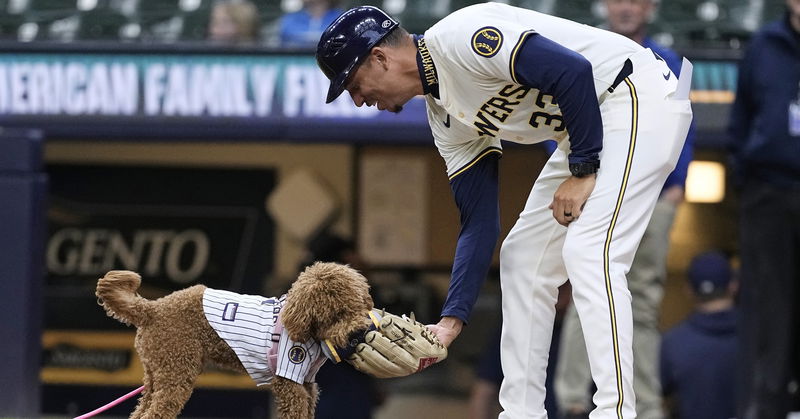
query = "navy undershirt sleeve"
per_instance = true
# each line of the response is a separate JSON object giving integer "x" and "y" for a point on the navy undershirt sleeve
{"x": 567, "y": 76}
{"x": 476, "y": 195}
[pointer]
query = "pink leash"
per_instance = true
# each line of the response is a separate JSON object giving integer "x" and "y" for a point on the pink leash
{"x": 112, "y": 404}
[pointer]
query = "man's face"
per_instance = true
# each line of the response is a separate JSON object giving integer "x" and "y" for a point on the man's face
{"x": 794, "y": 7}
{"x": 629, "y": 17}
{"x": 222, "y": 26}
{"x": 374, "y": 84}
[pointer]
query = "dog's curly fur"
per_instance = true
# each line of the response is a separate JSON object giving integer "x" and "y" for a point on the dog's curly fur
{"x": 174, "y": 340}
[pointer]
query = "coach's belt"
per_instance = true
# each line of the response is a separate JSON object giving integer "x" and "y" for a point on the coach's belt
{"x": 626, "y": 71}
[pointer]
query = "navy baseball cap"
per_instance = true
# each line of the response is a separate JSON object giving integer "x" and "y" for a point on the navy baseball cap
{"x": 347, "y": 41}
{"x": 709, "y": 273}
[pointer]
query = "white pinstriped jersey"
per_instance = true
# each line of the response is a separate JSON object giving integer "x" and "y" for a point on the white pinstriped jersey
{"x": 246, "y": 323}
{"x": 480, "y": 99}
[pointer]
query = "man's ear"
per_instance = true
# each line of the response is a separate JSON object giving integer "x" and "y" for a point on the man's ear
{"x": 380, "y": 56}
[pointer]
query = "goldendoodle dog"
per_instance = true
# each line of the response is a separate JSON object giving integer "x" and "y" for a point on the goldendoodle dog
{"x": 277, "y": 341}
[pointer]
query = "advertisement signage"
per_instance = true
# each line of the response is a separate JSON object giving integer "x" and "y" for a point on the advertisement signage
{"x": 258, "y": 96}
{"x": 198, "y": 96}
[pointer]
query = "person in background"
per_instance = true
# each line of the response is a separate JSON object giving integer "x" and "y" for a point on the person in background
{"x": 360, "y": 394}
{"x": 698, "y": 356}
{"x": 648, "y": 271}
{"x": 483, "y": 398}
{"x": 483, "y": 402}
{"x": 764, "y": 143}
{"x": 233, "y": 22}
{"x": 304, "y": 27}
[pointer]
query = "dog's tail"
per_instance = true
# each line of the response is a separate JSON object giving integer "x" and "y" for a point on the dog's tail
{"x": 116, "y": 292}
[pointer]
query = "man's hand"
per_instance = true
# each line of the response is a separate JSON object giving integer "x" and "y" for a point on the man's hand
{"x": 399, "y": 347}
{"x": 447, "y": 330}
{"x": 570, "y": 197}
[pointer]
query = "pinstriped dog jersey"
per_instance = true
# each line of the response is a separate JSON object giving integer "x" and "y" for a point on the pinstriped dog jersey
{"x": 247, "y": 323}
{"x": 482, "y": 97}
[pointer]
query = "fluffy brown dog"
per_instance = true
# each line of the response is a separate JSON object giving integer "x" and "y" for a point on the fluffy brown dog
{"x": 174, "y": 339}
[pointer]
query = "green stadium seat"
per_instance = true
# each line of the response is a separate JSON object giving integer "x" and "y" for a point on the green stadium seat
{"x": 44, "y": 13}
{"x": 269, "y": 10}
{"x": 544, "y": 6}
{"x": 9, "y": 24}
{"x": 52, "y": 5}
{"x": 577, "y": 10}
{"x": 419, "y": 15}
{"x": 158, "y": 7}
{"x": 195, "y": 25}
{"x": 173, "y": 20}
{"x": 460, "y": 4}
{"x": 773, "y": 10}
{"x": 154, "y": 13}
{"x": 101, "y": 25}
{"x": 677, "y": 11}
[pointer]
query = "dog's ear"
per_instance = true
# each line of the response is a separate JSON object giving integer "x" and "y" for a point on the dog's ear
{"x": 327, "y": 301}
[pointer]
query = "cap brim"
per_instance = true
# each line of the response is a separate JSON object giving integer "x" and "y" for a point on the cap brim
{"x": 338, "y": 82}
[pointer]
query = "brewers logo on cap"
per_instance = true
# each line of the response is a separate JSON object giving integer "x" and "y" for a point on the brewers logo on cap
{"x": 297, "y": 354}
{"x": 486, "y": 41}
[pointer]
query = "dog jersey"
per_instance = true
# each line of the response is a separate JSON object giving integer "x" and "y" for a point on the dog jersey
{"x": 477, "y": 52}
{"x": 247, "y": 323}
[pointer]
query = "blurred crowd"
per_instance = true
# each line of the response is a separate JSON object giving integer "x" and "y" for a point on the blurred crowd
{"x": 720, "y": 24}
{"x": 237, "y": 22}
{"x": 285, "y": 24}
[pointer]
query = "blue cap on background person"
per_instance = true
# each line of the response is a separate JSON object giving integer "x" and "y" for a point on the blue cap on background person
{"x": 710, "y": 274}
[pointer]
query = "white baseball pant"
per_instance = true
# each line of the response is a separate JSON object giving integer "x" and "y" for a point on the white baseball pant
{"x": 644, "y": 131}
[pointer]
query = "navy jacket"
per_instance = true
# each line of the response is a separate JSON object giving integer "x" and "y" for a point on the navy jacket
{"x": 698, "y": 365}
{"x": 769, "y": 80}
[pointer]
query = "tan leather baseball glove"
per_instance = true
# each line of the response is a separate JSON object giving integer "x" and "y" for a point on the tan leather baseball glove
{"x": 400, "y": 346}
